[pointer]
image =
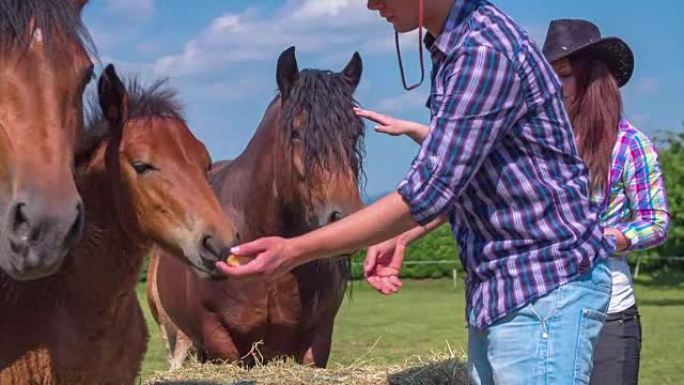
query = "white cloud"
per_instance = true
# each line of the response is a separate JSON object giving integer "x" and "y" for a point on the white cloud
{"x": 313, "y": 26}
{"x": 317, "y": 8}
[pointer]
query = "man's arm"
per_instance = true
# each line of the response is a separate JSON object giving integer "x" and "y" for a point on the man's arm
{"x": 482, "y": 101}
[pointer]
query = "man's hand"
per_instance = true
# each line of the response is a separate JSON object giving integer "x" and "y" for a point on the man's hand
{"x": 272, "y": 258}
{"x": 395, "y": 127}
{"x": 383, "y": 264}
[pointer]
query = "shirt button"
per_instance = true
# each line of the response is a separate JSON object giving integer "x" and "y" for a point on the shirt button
{"x": 545, "y": 335}
{"x": 431, "y": 162}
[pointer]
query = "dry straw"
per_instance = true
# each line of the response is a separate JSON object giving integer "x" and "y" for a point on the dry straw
{"x": 443, "y": 368}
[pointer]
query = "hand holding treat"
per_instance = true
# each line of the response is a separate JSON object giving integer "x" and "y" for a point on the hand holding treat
{"x": 236, "y": 260}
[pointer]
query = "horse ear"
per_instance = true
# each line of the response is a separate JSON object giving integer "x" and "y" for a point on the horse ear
{"x": 113, "y": 101}
{"x": 287, "y": 71}
{"x": 352, "y": 71}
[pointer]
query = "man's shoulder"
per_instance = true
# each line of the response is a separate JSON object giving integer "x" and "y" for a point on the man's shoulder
{"x": 489, "y": 32}
{"x": 491, "y": 27}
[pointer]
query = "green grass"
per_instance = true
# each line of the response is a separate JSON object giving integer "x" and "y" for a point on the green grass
{"x": 427, "y": 315}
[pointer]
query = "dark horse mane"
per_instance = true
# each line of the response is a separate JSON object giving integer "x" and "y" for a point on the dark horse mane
{"x": 155, "y": 100}
{"x": 334, "y": 134}
{"x": 19, "y": 18}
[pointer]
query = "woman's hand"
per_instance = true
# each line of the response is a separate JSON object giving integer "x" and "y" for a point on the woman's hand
{"x": 383, "y": 264}
{"x": 395, "y": 127}
{"x": 621, "y": 242}
{"x": 273, "y": 257}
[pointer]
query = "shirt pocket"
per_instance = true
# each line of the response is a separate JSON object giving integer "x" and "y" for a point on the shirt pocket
{"x": 434, "y": 103}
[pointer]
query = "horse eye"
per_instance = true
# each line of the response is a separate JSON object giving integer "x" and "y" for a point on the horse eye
{"x": 142, "y": 167}
{"x": 88, "y": 75}
{"x": 294, "y": 135}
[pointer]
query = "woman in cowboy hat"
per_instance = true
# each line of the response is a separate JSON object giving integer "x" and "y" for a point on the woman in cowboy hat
{"x": 626, "y": 180}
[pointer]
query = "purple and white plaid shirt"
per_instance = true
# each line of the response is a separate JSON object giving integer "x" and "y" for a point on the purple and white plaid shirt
{"x": 501, "y": 158}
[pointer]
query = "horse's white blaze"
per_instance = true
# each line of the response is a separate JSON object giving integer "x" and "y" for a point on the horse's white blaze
{"x": 37, "y": 35}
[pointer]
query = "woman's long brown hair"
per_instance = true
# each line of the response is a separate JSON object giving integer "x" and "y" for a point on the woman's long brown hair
{"x": 595, "y": 114}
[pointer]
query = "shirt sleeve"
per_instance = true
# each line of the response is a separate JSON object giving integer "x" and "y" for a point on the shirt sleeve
{"x": 645, "y": 190}
{"x": 482, "y": 101}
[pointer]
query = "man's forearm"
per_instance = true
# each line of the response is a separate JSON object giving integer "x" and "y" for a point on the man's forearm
{"x": 418, "y": 132}
{"x": 385, "y": 219}
{"x": 420, "y": 231}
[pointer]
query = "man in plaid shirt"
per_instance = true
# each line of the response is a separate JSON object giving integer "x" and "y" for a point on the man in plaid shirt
{"x": 499, "y": 159}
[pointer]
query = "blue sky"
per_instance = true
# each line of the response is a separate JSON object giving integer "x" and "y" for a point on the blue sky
{"x": 221, "y": 57}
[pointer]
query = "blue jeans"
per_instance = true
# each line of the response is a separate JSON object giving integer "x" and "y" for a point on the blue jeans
{"x": 548, "y": 342}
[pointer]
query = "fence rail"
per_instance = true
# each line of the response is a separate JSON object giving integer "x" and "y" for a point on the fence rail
{"x": 411, "y": 263}
{"x": 455, "y": 261}
{"x": 639, "y": 258}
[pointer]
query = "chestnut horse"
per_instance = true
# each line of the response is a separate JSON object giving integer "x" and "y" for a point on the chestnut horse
{"x": 300, "y": 171}
{"x": 44, "y": 67}
{"x": 143, "y": 178}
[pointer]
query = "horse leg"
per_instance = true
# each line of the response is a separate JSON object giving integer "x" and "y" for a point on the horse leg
{"x": 217, "y": 343}
{"x": 181, "y": 350}
{"x": 318, "y": 351}
{"x": 177, "y": 344}
{"x": 168, "y": 336}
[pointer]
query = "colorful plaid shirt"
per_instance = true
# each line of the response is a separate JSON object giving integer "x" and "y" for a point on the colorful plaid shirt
{"x": 637, "y": 204}
{"x": 501, "y": 158}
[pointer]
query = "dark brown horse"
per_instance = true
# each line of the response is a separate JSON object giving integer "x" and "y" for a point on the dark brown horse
{"x": 299, "y": 172}
{"x": 143, "y": 178}
{"x": 44, "y": 67}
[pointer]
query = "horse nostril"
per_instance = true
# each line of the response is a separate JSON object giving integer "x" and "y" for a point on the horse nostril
{"x": 19, "y": 229}
{"x": 212, "y": 246}
{"x": 19, "y": 217}
{"x": 335, "y": 216}
{"x": 76, "y": 229}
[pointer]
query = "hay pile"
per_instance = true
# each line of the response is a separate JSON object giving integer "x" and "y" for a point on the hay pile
{"x": 441, "y": 369}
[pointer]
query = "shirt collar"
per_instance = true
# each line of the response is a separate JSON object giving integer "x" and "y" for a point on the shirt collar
{"x": 624, "y": 123}
{"x": 453, "y": 25}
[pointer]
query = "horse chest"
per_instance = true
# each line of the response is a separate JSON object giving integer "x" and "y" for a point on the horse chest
{"x": 284, "y": 306}
{"x": 114, "y": 337}
{"x": 257, "y": 308}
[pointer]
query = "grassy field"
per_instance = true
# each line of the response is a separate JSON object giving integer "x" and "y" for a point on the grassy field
{"x": 428, "y": 315}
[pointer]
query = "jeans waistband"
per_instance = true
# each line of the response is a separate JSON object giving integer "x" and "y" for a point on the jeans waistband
{"x": 628, "y": 314}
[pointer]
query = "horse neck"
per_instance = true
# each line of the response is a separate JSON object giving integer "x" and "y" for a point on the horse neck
{"x": 107, "y": 261}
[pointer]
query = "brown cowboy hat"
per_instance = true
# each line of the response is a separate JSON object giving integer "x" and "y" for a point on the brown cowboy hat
{"x": 567, "y": 37}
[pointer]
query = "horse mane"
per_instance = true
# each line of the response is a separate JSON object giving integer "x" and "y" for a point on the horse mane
{"x": 19, "y": 18}
{"x": 157, "y": 100}
{"x": 334, "y": 134}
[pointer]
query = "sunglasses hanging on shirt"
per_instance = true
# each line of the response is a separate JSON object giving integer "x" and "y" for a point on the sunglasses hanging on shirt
{"x": 420, "y": 52}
